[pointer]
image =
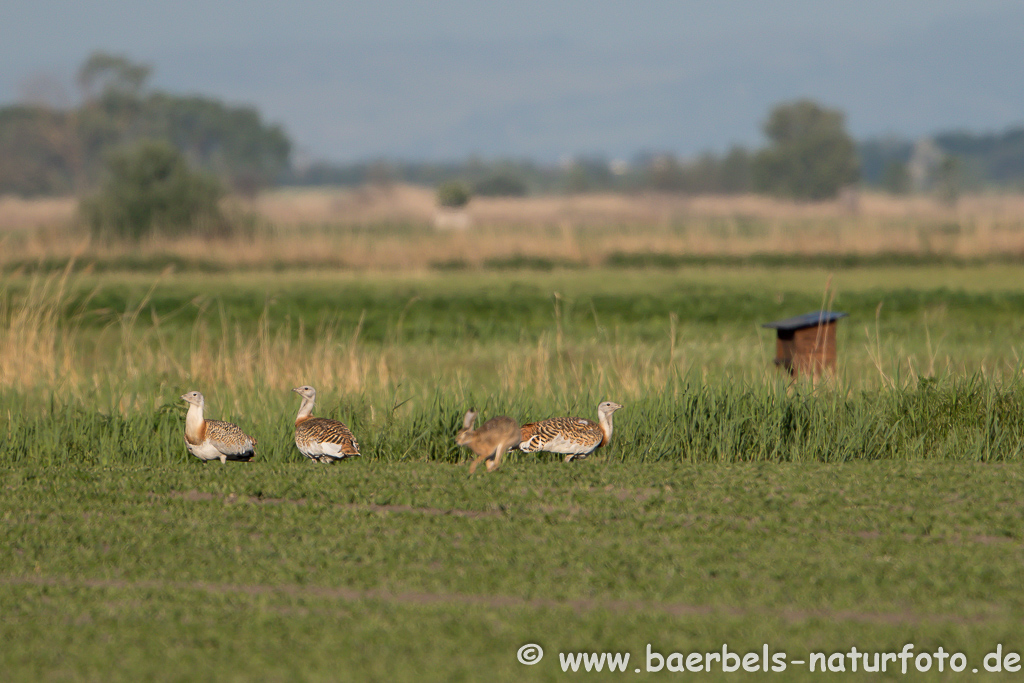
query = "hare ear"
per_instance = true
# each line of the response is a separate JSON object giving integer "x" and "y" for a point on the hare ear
{"x": 467, "y": 422}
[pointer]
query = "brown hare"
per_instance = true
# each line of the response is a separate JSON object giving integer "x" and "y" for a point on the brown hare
{"x": 491, "y": 441}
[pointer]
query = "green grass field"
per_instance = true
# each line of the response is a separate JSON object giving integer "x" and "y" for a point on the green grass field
{"x": 878, "y": 510}
{"x": 415, "y": 571}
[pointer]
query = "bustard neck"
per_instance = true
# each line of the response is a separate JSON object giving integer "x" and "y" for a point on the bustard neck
{"x": 305, "y": 408}
{"x": 194, "y": 423}
{"x": 605, "y": 420}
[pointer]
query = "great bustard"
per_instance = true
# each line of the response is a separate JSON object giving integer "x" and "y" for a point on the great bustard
{"x": 213, "y": 439}
{"x": 320, "y": 438}
{"x": 576, "y": 437}
{"x": 497, "y": 436}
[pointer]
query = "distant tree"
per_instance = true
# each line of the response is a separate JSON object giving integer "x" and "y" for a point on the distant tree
{"x": 707, "y": 174}
{"x": 151, "y": 189}
{"x": 588, "y": 174}
{"x": 500, "y": 185}
{"x": 811, "y": 155}
{"x": 665, "y": 174}
{"x": 49, "y": 151}
{"x": 896, "y": 178}
{"x": 231, "y": 142}
{"x": 995, "y": 158}
{"x": 879, "y": 156}
{"x": 34, "y": 151}
{"x": 734, "y": 172}
{"x": 950, "y": 179}
{"x": 453, "y": 194}
{"x": 104, "y": 75}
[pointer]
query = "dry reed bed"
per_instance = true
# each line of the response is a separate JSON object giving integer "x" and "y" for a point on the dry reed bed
{"x": 17, "y": 213}
{"x": 394, "y": 228}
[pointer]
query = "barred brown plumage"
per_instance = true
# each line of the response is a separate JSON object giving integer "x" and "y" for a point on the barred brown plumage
{"x": 214, "y": 439}
{"x": 320, "y": 438}
{"x": 576, "y": 437}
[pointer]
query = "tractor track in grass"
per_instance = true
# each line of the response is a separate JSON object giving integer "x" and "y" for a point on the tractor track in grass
{"x": 420, "y": 598}
{"x": 232, "y": 498}
{"x": 194, "y": 495}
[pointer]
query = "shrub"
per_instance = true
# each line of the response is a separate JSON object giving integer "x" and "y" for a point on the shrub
{"x": 453, "y": 195}
{"x": 151, "y": 189}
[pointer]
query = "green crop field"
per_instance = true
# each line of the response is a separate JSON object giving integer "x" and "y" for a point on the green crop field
{"x": 730, "y": 509}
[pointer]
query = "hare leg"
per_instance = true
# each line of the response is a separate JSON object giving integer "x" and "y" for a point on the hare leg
{"x": 494, "y": 462}
{"x": 472, "y": 466}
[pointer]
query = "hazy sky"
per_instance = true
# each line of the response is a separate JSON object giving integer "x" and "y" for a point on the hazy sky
{"x": 448, "y": 78}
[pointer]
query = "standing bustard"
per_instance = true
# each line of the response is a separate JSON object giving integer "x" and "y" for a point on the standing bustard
{"x": 320, "y": 438}
{"x": 213, "y": 439}
{"x": 496, "y": 437}
{"x": 576, "y": 437}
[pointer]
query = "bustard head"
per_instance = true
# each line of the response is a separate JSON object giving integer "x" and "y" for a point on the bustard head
{"x": 193, "y": 397}
{"x": 607, "y": 408}
{"x": 306, "y": 392}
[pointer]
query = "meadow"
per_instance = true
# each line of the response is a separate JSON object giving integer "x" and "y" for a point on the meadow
{"x": 732, "y": 506}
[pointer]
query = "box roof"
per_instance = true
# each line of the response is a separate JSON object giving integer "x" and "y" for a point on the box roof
{"x": 812, "y": 319}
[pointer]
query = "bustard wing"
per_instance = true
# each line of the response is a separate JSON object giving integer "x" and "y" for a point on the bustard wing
{"x": 322, "y": 436}
{"x": 569, "y": 435}
{"x": 230, "y": 440}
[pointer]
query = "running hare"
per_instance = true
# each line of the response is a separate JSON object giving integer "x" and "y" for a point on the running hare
{"x": 490, "y": 442}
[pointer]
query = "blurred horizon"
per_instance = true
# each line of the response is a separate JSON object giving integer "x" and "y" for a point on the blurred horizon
{"x": 434, "y": 82}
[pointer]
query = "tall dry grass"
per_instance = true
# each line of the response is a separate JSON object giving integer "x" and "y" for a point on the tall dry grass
{"x": 136, "y": 363}
{"x": 133, "y": 363}
{"x": 37, "y": 345}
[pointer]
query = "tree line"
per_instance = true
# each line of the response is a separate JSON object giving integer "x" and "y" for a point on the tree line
{"x": 145, "y": 160}
{"x": 49, "y": 151}
{"x": 810, "y": 156}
